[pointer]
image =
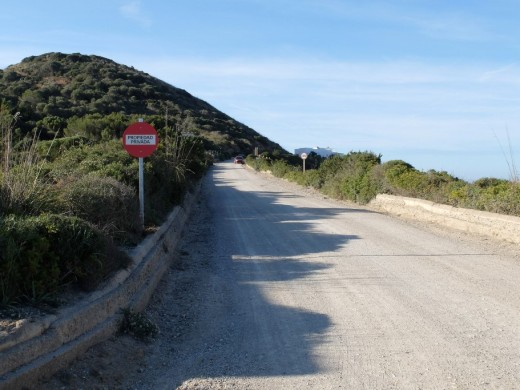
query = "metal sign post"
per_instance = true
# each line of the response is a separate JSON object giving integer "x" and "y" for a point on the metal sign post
{"x": 303, "y": 157}
{"x": 140, "y": 140}
{"x": 141, "y": 191}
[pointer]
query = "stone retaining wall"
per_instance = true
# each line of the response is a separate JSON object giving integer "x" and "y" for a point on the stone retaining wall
{"x": 497, "y": 226}
{"x": 41, "y": 348}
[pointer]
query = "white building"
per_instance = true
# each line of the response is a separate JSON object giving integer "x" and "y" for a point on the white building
{"x": 323, "y": 152}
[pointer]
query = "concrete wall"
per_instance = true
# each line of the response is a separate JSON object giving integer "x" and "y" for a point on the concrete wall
{"x": 497, "y": 226}
{"x": 39, "y": 349}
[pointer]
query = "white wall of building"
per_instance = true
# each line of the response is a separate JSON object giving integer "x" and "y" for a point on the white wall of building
{"x": 323, "y": 152}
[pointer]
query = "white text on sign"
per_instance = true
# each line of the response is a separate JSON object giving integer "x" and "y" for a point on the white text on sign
{"x": 136, "y": 139}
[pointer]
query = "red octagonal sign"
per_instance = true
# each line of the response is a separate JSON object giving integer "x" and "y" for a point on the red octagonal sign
{"x": 140, "y": 139}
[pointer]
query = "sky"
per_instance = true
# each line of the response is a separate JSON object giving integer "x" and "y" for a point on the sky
{"x": 435, "y": 83}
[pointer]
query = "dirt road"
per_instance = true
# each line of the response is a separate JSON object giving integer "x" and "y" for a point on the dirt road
{"x": 278, "y": 289}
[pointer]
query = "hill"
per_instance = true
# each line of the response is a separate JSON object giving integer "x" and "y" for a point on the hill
{"x": 69, "y": 191}
{"x": 53, "y": 88}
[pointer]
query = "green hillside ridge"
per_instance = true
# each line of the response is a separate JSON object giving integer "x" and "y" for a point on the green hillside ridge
{"x": 51, "y": 89}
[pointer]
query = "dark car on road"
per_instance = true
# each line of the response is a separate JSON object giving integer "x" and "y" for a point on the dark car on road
{"x": 239, "y": 160}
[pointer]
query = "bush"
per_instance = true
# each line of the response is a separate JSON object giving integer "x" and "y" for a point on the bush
{"x": 53, "y": 149}
{"x": 330, "y": 167}
{"x": 296, "y": 177}
{"x": 23, "y": 186}
{"x": 348, "y": 177}
{"x": 162, "y": 190}
{"x": 401, "y": 178}
{"x": 280, "y": 168}
{"x": 137, "y": 325}
{"x": 41, "y": 255}
{"x": 104, "y": 159}
{"x": 105, "y": 202}
{"x": 22, "y": 191}
{"x": 493, "y": 195}
{"x": 261, "y": 163}
{"x": 312, "y": 178}
{"x": 369, "y": 186}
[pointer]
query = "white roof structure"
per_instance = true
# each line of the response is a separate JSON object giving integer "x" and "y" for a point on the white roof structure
{"x": 323, "y": 152}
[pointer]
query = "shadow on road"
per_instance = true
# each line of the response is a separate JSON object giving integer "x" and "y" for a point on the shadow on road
{"x": 261, "y": 242}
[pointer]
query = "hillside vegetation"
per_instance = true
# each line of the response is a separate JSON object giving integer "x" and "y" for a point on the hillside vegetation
{"x": 53, "y": 91}
{"x": 68, "y": 189}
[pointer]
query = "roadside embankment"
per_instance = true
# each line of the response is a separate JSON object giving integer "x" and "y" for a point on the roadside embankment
{"x": 497, "y": 226}
{"x": 41, "y": 347}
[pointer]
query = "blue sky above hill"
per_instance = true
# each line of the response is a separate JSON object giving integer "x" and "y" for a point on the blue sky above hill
{"x": 432, "y": 82}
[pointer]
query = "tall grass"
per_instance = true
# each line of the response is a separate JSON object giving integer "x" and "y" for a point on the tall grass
{"x": 509, "y": 157}
{"x": 179, "y": 152}
{"x": 23, "y": 189}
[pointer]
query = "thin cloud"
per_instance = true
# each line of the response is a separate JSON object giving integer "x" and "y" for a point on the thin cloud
{"x": 508, "y": 73}
{"x": 311, "y": 71}
{"x": 435, "y": 23}
{"x": 133, "y": 11}
{"x": 453, "y": 27}
{"x": 417, "y": 103}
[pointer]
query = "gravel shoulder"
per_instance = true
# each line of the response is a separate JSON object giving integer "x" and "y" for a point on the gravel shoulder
{"x": 279, "y": 287}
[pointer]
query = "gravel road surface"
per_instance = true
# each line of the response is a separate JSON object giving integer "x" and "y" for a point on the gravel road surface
{"x": 275, "y": 287}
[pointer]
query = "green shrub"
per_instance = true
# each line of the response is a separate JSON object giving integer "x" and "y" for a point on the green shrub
{"x": 296, "y": 177}
{"x": 312, "y": 178}
{"x": 497, "y": 196}
{"x": 280, "y": 168}
{"x": 40, "y": 255}
{"x": 105, "y": 202}
{"x": 96, "y": 126}
{"x": 401, "y": 178}
{"x": 22, "y": 191}
{"x": 104, "y": 159}
{"x": 345, "y": 177}
{"x": 260, "y": 163}
{"x": 55, "y": 148}
{"x": 137, "y": 325}
{"x": 509, "y": 201}
{"x": 162, "y": 190}
{"x": 369, "y": 186}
